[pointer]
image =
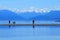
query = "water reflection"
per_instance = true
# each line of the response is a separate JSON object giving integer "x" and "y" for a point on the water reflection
{"x": 27, "y": 32}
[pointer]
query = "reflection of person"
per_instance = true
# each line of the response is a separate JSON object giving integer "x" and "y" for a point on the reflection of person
{"x": 33, "y": 23}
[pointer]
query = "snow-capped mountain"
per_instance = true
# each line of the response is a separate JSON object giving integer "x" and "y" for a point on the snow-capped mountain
{"x": 9, "y": 15}
{"x": 52, "y": 15}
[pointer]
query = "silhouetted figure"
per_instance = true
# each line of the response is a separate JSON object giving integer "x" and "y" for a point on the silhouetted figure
{"x": 9, "y": 23}
{"x": 33, "y": 23}
{"x": 14, "y": 23}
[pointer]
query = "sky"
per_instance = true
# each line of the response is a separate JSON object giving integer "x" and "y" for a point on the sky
{"x": 29, "y": 4}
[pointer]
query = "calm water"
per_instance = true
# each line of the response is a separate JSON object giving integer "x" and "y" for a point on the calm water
{"x": 28, "y": 33}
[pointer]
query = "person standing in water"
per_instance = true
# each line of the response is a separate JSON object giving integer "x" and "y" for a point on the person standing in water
{"x": 14, "y": 22}
{"x": 33, "y": 24}
{"x": 9, "y": 23}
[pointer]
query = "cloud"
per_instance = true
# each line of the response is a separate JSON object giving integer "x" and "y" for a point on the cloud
{"x": 57, "y": 8}
{"x": 33, "y": 9}
{"x": 30, "y": 9}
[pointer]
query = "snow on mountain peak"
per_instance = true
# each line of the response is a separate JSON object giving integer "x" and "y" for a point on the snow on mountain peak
{"x": 32, "y": 9}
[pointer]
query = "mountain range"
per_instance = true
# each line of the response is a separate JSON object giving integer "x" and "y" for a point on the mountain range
{"x": 52, "y": 15}
{"x": 9, "y": 15}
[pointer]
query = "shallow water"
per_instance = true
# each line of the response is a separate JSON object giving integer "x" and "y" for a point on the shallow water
{"x": 28, "y": 33}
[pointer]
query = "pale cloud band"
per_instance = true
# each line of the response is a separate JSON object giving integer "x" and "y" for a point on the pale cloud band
{"x": 30, "y": 9}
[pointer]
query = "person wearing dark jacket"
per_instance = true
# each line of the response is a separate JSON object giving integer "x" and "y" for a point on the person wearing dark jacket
{"x": 14, "y": 22}
{"x": 33, "y": 23}
{"x": 9, "y": 23}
